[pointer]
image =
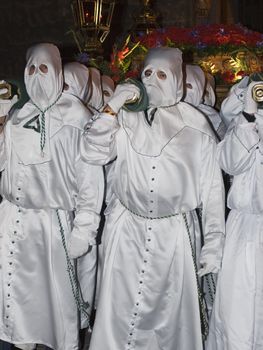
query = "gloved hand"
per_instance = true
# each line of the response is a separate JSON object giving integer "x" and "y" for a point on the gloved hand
{"x": 3, "y": 90}
{"x": 78, "y": 244}
{"x": 239, "y": 88}
{"x": 233, "y": 104}
{"x": 6, "y": 105}
{"x": 123, "y": 93}
{"x": 250, "y": 106}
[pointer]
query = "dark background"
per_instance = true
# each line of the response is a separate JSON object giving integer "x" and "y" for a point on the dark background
{"x": 26, "y": 22}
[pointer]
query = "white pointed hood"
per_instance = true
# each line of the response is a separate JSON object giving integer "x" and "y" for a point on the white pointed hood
{"x": 43, "y": 88}
{"x": 168, "y": 92}
{"x": 77, "y": 78}
{"x": 31, "y": 132}
{"x": 195, "y": 85}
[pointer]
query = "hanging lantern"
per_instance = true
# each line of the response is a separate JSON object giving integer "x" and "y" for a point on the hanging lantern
{"x": 146, "y": 21}
{"x": 202, "y": 8}
{"x": 92, "y": 20}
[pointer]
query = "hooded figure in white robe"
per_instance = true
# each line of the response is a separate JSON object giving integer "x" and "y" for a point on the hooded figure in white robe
{"x": 78, "y": 82}
{"x": 200, "y": 94}
{"x": 84, "y": 83}
{"x": 237, "y": 317}
{"x": 94, "y": 91}
{"x": 165, "y": 168}
{"x": 197, "y": 91}
{"x": 50, "y": 210}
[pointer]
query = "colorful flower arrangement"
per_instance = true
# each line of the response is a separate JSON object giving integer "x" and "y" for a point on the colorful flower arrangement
{"x": 227, "y": 51}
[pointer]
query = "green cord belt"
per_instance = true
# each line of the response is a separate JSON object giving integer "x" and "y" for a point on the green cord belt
{"x": 202, "y": 305}
{"x": 148, "y": 217}
{"x": 81, "y": 305}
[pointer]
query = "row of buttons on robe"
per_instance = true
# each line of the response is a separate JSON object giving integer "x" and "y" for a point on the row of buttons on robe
{"x": 135, "y": 315}
{"x": 10, "y": 268}
{"x": 19, "y": 183}
{"x": 19, "y": 198}
{"x": 152, "y": 186}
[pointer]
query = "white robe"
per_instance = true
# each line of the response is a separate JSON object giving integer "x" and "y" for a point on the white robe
{"x": 200, "y": 94}
{"x": 237, "y": 318}
{"x": 37, "y": 303}
{"x": 148, "y": 297}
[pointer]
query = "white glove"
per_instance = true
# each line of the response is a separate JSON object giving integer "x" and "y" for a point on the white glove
{"x": 4, "y": 90}
{"x": 122, "y": 94}
{"x": 78, "y": 244}
{"x": 6, "y": 105}
{"x": 233, "y": 104}
{"x": 250, "y": 106}
{"x": 239, "y": 88}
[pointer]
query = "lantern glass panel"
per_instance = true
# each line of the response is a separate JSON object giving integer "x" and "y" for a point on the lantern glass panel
{"x": 76, "y": 14}
{"x": 92, "y": 22}
{"x": 106, "y": 14}
{"x": 88, "y": 11}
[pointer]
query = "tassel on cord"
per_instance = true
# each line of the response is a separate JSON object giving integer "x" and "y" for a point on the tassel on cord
{"x": 203, "y": 313}
{"x": 81, "y": 305}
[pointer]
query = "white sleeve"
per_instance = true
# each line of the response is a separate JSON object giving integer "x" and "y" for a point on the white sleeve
{"x": 236, "y": 153}
{"x": 90, "y": 180}
{"x": 98, "y": 144}
{"x": 213, "y": 209}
